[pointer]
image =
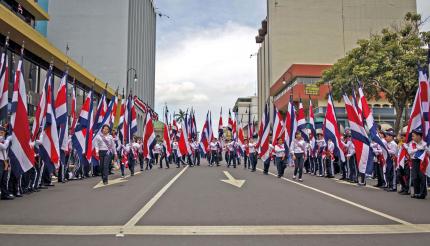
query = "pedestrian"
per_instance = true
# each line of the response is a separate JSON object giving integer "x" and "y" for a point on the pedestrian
{"x": 280, "y": 157}
{"x": 105, "y": 147}
{"x": 416, "y": 150}
{"x": 195, "y": 146}
{"x": 213, "y": 146}
{"x": 390, "y": 170}
{"x": 350, "y": 157}
{"x": 298, "y": 148}
{"x": 328, "y": 160}
{"x": 320, "y": 146}
{"x": 4, "y": 164}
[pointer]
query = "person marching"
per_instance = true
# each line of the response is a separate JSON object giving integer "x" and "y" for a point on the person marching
{"x": 252, "y": 161}
{"x": 175, "y": 148}
{"x": 298, "y": 148}
{"x": 164, "y": 157}
{"x": 157, "y": 151}
{"x": 213, "y": 146}
{"x": 379, "y": 160}
{"x": 415, "y": 149}
{"x": 279, "y": 157}
{"x": 4, "y": 164}
{"x": 231, "y": 147}
{"x": 320, "y": 146}
{"x": 350, "y": 157}
{"x": 390, "y": 171}
{"x": 105, "y": 147}
{"x": 195, "y": 146}
{"x": 328, "y": 160}
{"x": 245, "y": 148}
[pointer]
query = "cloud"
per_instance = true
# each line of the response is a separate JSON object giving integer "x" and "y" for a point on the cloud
{"x": 206, "y": 68}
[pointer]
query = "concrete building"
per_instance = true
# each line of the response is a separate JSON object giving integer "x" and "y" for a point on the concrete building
{"x": 114, "y": 39}
{"x": 18, "y": 21}
{"x": 315, "y": 32}
{"x": 246, "y": 110}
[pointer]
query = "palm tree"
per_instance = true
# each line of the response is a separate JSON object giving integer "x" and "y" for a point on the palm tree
{"x": 180, "y": 116}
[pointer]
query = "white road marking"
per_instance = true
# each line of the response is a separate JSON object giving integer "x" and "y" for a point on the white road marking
{"x": 231, "y": 180}
{"x": 259, "y": 230}
{"x": 133, "y": 221}
{"x": 353, "y": 184}
{"x": 346, "y": 201}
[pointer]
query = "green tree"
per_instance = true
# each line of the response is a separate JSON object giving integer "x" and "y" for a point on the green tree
{"x": 386, "y": 63}
{"x": 180, "y": 116}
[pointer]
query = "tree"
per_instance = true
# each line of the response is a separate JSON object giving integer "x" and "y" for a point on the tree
{"x": 387, "y": 64}
{"x": 180, "y": 116}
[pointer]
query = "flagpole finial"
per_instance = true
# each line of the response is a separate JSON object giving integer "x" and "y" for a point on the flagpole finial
{"x": 22, "y": 48}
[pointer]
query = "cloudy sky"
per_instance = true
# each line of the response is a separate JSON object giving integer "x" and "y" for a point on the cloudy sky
{"x": 203, "y": 53}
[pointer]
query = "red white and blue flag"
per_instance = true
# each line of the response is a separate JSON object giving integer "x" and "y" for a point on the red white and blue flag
{"x": 149, "y": 139}
{"x": 312, "y": 138}
{"x": 114, "y": 111}
{"x": 230, "y": 121}
{"x": 204, "y": 136}
{"x": 21, "y": 154}
{"x": 183, "y": 144}
{"x": 363, "y": 153}
{"x": 122, "y": 130}
{"x": 290, "y": 126}
{"x": 62, "y": 114}
{"x": 278, "y": 126}
{"x": 100, "y": 113}
{"x": 301, "y": 122}
{"x": 4, "y": 83}
{"x": 167, "y": 143}
{"x": 331, "y": 129}
{"x": 80, "y": 136}
{"x": 73, "y": 113}
{"x": 41, "y": 107}
{"x": 220, "y": 126}
{"x": 263, "y": 139}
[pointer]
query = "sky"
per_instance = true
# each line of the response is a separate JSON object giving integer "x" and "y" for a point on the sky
{"x": 203, "y": 54}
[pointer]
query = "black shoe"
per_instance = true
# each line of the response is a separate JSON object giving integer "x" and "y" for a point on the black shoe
{"x": 330, "y": 177}
{"x": 51, "y": 185}
{"x": 405, "y": 192}
{"x": 18, "y": 195}
{"x": 391, "y": 190}
{"x": 343, "y": 178}
{"x": 265, "y": 173}
{"x": 105, "y": 182}
{"x": 377, "y": 185}
{"x": 8, "y": 197}
{"x": 361, "y": 184}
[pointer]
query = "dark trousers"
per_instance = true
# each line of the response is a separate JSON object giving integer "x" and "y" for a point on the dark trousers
{"x": 328, "y": 166}
{"x": 141, "y": 161}
{"x": 4, "y": 177}
{"x": 14, "y": 184}
{"x": 131, "y": 163}
{"x": 196, "y": 157}
{"x": 266, "y": 163}
{"x": 389, "y": 173}
{"x": 104, "y": 162}
{"x": 232, "y": 158}
{"x": 253, "y": 161}
{"x": 379, "y": 171}
{"x": 163, "y": 157}
{"x": 245, "y": 160}
{"x": 214, "y": 157}
{"x": 148, "y": 163}
{"x": 319, "y": 165}
{"x": 418, "y": 179}
{"x": 280, "y": 165}
{"x": 156, "y": 156}
{"x": 344, "y": 168}
{"x": 298, "y": 164}
{"x": 352, "y": 166}
{"x": 176, "y": 157}
{"x": 312, "y": 162}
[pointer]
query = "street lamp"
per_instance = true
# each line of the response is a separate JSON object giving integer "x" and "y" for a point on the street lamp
{"x": 134, "y": 79}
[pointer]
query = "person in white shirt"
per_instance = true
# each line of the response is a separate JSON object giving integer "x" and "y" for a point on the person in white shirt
{"x": 390, "y": 170}
{"x": 195, "y": 147}
{"x": 4, "y": 164}
{"x": 105, "y": 147}
{"x": 231, "y": 147}
{"x": 252, "y": 154}
{"x": 329, "y": 159}
{"x": 350, "y": 157}
{"x": 280, "y": 157}
{"x": 379, "y": 160}
{"x": 415, "y": 150}
{"x": 213, "y": 146}
{"x": 175, "y": 148}
{"x": 320, "y": 146}
{"x": 157, "y": 151}
{"x": 298, "y": 148}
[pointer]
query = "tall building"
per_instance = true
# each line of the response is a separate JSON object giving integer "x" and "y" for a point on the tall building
{"x": 18, "y": 21}
{"x": 114, "y": 39}
{"x": 300, "y": 38}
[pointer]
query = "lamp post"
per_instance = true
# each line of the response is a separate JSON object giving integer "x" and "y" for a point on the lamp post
{"x": 134, "y": 79}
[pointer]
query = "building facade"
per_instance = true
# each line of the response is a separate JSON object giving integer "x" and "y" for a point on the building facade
{"x": 246, "y": 110}
{"x": 18, "y": 21}
{"x": 114, "y": 39}
{"x": 315, "y": 32}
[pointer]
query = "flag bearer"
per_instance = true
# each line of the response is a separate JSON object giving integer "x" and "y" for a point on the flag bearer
{"x": 320, "y": 146}
{"x": 231, "y": 146}
{"x": 298, "y": 149}
{"x": 415, "y": 150}
{"x": 253, "y": 157}
{"x": 157, "y": 150}
{"x": 195, "y": 146}
{"x": 279, "y": 157}
{"x": 350, "y": 157}
{"x": 175, "y": 148}
{"x": 105, "y": 147}
{"x": 379, "y": 160}
{"x": 390, "y": 170}
{"x": 329, "y": 157}
{"x": 4, "y": 165}
{"x": 213, "y": 146}
{"x": 245, "y": 148}
{"x": 164, "y": 157}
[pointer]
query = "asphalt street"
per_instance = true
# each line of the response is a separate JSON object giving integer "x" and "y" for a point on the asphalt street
{"x": 213, "y": 206}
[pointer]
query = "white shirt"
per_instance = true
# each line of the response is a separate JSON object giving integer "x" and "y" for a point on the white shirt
{"x": 279, "y": 150}
{"x": 298, "y": 146}
{"x": 175, "y": 145}
{"x": 157, "y": 149}
{"x": 251, "y": 147}
{"x": 392, "y": 148}
{"x": 104, "y": 142}
{"x": 351, "y": 148}
{"x": 195, "y": 145}
{"x": 412, "y": 150}
{"x": 213, "y": 146}
{"x": 4, "y": 144}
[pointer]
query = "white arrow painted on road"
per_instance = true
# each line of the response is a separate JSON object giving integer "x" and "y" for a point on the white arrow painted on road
{"x": 231, "y": 180}
{"x": 114, "y": 181}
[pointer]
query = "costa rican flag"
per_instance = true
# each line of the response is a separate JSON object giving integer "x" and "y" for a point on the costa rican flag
{"x": 73, "y": 112}
{"x": 331, "y": 129}
{"x": 211, "y": 134}
{"x": 363, "y": 153}
{"x": 301, "y": 122}
{"x": 100, "y": 113}
{"x": 234, "y": 130}
{"x": 108, "y": 115}
{"x": 81, "y": 130}
{"x": 312, "y": 125}
{"x": 41, "y": 107}
{"x": 230, "y": 121}
{"x": 241, "y": 140}
{"x": 358, "y": 106}
{"x": 370, "y": 122}
{"x": 21, "y": 154}
{"x": 61, "y": 113}
{"x": 290, "y": 126}
{"x": 50, "y": 149}
{"x": 133, "y": 119}
{"x": 204, "y": 136}
{"x": 114, "y": 111}
{"x": 264, "y": 137}
{"x": 424, "y": 97}
{"x": 183, "y": 144}
{"x": 149, "y": 140}
{"x": 90, "y": 135}
{"x": 220, "y": 125}
{"x": 121, "y": 129}
{"x": 4, "y": 83}
{"x": 166, "y": 137}
{"x": 278, "y": 126}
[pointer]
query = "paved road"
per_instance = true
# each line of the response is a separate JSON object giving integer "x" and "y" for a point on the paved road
{"x": 192, "y": 206}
